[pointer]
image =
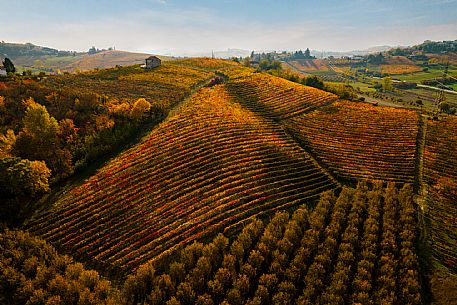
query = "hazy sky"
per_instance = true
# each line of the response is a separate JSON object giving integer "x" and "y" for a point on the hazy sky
{"x": 175, "y": 26}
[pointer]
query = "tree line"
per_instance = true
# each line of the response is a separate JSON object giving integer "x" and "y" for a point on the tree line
{"x": 47, "y": 134}
{"x": 354, "y": 248}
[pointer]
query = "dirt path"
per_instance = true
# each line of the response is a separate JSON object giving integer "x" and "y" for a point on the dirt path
{"x": 420, "y": 185}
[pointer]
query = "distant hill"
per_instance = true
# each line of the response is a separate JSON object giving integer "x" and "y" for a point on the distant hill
{"x": 14, "y": 50}
{"x": 368, "y": 51}
{"x": 36, "y": 58}
{"x": 107, "y": 59}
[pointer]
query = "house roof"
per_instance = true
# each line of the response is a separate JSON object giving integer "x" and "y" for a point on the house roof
{"x": 152, "y": 57}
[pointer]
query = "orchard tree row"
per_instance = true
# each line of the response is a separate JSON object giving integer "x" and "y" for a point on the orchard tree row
{"x": 357, "y": 248}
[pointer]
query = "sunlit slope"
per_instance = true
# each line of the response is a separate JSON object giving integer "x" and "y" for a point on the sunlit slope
{"x": 165, "y": 85}
{"x": 277, "y": 98}
{"x": 358, "y": 140}
{"x": 441, "y": 201}
{"x": 353, "y": 140}
{"x": 109, "y": 59}
{"x": 207, "y": 168}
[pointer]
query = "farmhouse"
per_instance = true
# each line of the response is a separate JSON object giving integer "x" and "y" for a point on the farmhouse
{"x": 152, "y": 62}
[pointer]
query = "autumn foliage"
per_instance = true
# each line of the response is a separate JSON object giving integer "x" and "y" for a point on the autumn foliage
{"x": 208, "y": 168}
{"x": 357, "y": 248}
{"x": 441, "y": 175}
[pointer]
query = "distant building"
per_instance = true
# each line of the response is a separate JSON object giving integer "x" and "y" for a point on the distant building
{"x": 152, "y": 62}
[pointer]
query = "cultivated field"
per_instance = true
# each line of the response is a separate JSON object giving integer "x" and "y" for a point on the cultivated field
{"x": 210, "y": 166}
{"x": 357, "y": 140}
{"x": 441, "y": 174}
{"x": 332, "y": 255}
{"x": 247, "y": 148}
{"x": 276, "y": 98}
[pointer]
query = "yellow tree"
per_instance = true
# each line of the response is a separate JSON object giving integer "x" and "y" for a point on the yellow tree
{"x": 139, "y": 109}
{"x": 6, "y": 143}
{"x": 39, "y": 140}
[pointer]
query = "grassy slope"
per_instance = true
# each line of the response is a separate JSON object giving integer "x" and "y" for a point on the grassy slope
{"x": 106, "y": 59}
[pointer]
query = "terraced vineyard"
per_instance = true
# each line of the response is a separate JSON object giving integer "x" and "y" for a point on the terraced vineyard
{"x": 441, "y": 175}
{"x": 240, "y": 151}
{"x": 209, "y": 167}
{"x": 276, "y": 98}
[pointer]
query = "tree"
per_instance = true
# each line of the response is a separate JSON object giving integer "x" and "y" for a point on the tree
{"x": 313, "y": 81}
{"x": 9, "y": 66}
{"x": 387, "y": 83}
{"x": 92, "y": 51}
{"x": 23, "y": 177}
{"x": 138, "y": 286}
{"x": 445, "y": 107}
{"x": 140, "y": 108}
{"x": 34, "y": 273}
{"x": 264, "y": 65}
{"x": 39, "y": 140}
{"x": 7, "y": 143}
{"x": 247, "y": 62}
{"x": 20, "y": 178}
{"x": 307, "y": 53}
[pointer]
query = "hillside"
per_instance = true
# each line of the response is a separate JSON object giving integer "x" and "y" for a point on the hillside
{"x": 356, "y": 141}
{"x": 227, "y": 147}
{"x": 440, "y": 173}
{"x": 37, "y": 58}
{"x": 108, "y": 59}
{"x": 211, "y": 166}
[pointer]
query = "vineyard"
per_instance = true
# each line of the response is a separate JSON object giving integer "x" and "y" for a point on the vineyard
{"x": 441, "y": 175}
{"x": 167, "y": 84}
{"x": 353, "y": 140}
{"x": 357, "y": 140}
{"x": 245, "y": 147}
{"x": 276, "y": 98}
{"x": 399, "y": 69}
{"x": 310, "y": 65}
{"x": 208, "y": 64}
{"x": 209, "y": 167}
{"x": 353, "y": 249}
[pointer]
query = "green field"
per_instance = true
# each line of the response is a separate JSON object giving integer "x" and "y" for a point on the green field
{"x": 421, "y": 76}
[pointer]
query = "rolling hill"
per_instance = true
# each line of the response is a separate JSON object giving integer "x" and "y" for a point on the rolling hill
{"x": 253, "y": 145}
{"x": 208, "y": 168}
{"x": 229, "y": 156}
{"x": 37, "y": 58}
{"x": 108, "y": 59}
